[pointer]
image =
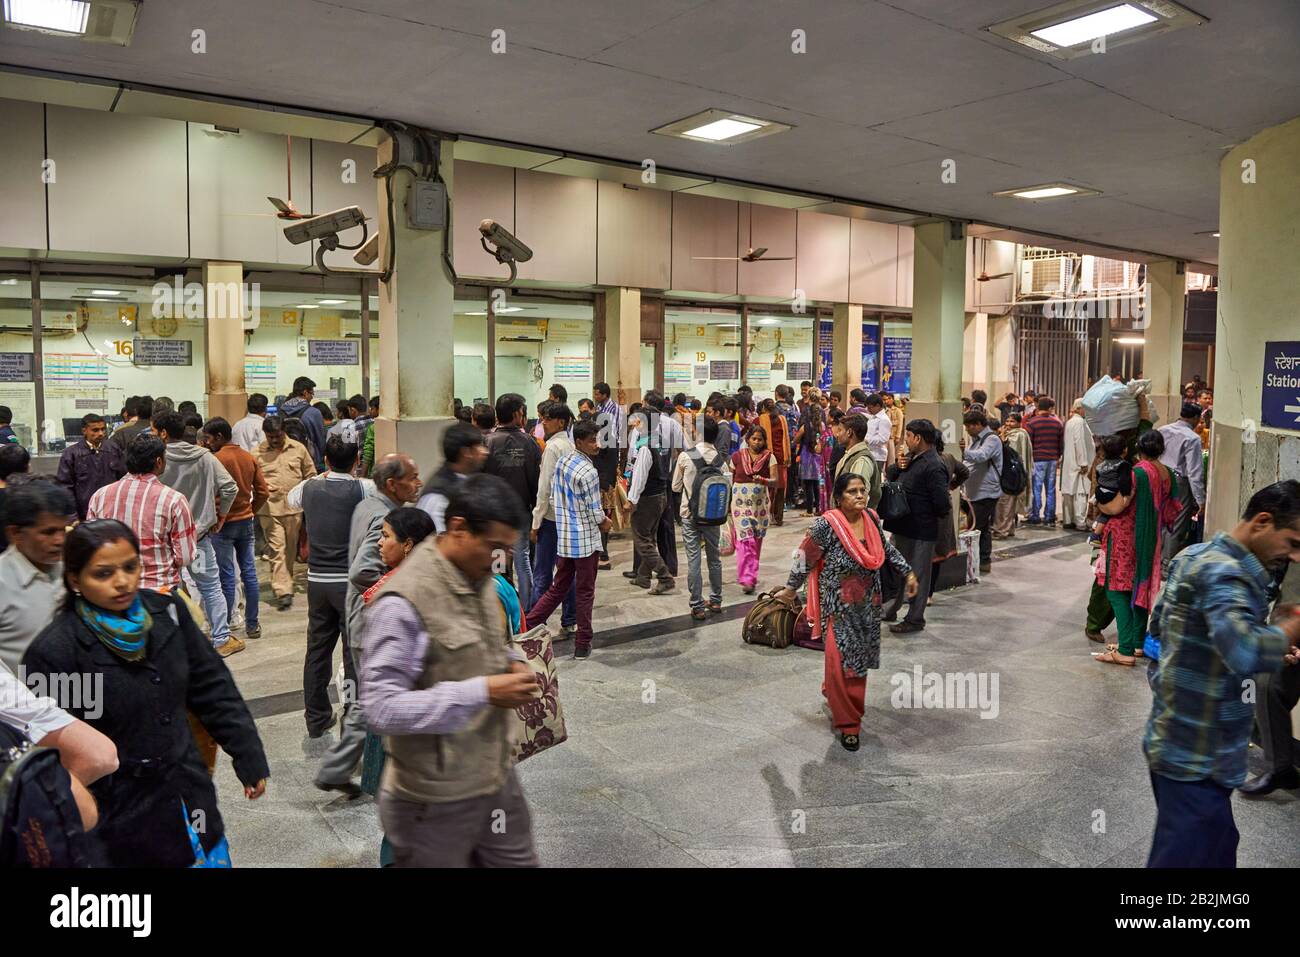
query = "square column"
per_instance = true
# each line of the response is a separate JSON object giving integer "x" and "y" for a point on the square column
{"x": 1162, "y": 349}
{"x": 223, "y": 339}
{"x": 623, "y": 344}
{"x": 416, "y": 335}
{"x": 846, "y": 349}
{"x": 938, "y": 326}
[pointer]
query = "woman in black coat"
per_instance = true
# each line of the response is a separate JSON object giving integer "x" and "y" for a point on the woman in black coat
{"x": 160, "y": 808}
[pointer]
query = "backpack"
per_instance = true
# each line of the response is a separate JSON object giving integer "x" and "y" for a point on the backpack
{"x": 40, "y": 825}
{"x": 770, "y": 622}
{"x": 1012, "y": 476}
{"x": 309, "y": 441}
{"x": 711, "y": 493}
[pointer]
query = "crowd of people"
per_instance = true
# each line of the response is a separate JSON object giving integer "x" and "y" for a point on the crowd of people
{"x": 138, "y": 560}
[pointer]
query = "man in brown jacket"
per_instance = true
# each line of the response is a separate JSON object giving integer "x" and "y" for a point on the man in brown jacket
{"x": 284, "y": 464}
{"x": 233, "y": 540}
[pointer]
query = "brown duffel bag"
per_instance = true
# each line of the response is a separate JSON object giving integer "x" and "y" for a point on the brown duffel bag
{"x": 770, "y": 622}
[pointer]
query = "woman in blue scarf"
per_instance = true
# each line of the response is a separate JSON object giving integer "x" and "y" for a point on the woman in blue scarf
{"x": 146, "y": 666}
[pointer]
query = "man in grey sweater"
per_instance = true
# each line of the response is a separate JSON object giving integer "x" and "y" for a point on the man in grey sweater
{"x": 397, "y": 483}
{"x": 984, "y": 487}
{"x": 195, "y": 472}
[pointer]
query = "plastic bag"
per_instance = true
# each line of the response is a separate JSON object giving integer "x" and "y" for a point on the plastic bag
{"x": 1111, "y": 406}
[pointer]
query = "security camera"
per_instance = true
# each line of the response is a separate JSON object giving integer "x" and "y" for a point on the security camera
{"x": 509, "y": 250}
{"x": 324, "y": 227}
{"x": 368, "y": 252}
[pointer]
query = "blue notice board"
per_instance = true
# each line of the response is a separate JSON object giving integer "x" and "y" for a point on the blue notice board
{"x": 825, "y": 346}
{"x": 897, "y": 370}
{"x": 1280, "y": 397}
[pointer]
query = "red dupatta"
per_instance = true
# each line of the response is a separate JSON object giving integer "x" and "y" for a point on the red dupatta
{"x": 870, "y": 556}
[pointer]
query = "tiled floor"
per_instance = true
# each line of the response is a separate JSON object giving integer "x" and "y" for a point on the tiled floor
{"x": 731, "y": 761}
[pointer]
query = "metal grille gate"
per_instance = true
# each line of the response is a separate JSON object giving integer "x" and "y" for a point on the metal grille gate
{"x": 1052, "y": 355}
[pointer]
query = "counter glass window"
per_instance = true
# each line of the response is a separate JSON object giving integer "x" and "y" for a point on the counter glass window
{"x": 702, "y": 352}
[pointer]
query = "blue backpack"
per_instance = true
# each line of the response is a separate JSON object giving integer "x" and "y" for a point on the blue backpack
{"x": 711, "y": 493}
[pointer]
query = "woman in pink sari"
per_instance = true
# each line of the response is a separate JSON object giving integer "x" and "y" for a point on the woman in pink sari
{"x": 753, "y": 473}
{"x": 840, "y": 558}
{"x": 1128, "y": 566}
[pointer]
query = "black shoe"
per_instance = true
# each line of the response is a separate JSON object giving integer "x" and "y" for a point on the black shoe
{"x": 344, "y": 787}
{"x": 639, "y": 584}
{"x": 850, "y": 742}
{"x": 906, "y": 627}
{"x": 284, "y": 603}
{"x": 324, "y": 729}
{"x": 582, "y": 651}
{"x": 1271, "y": 781}
{"x": 893, "y": 617}
{"x": 629, "y": 575}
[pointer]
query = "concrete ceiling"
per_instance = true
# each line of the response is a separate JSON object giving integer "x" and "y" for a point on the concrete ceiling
{"x": 885, "y": 93}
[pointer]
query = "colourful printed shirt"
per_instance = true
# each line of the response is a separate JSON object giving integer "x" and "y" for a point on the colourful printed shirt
{"x": 575, "y": 493}
{"x": 1212, "y": 624}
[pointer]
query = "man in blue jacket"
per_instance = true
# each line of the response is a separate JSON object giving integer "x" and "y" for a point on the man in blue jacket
{"x": 299, "y": 406}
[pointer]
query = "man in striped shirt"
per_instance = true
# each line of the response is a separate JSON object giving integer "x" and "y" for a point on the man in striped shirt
{"x": 159, "y": 515}
{"x": 579, "y": 521}
{"x": 1047, "y": 437}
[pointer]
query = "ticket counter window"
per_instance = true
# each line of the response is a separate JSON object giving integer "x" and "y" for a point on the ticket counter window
{"x": 702, "y": 352}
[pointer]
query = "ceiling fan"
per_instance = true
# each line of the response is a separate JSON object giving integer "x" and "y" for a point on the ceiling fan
{"x": 284, "y": 209}
{"x": 752, "y": 255}
{"x": 984, "y": 274}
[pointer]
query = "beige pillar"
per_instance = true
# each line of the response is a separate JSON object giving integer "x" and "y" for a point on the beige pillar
{"x": 623, "y": 344}
{"x": 416, "y": 334}
{"x": 846, "y": 350}
{"x": 1162, "y": 349}
{"x": 938, "y": 326}
{"x": 223, "y": 339}
{"x": 1002, "y": 377}
{"x": 1259, "y": 205}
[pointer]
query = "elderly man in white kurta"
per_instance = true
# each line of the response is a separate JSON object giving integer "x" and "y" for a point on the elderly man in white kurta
{"x": 1076, "y": 460}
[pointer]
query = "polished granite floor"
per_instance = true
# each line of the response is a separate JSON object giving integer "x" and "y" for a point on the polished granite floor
{"x": 689, "y": 748}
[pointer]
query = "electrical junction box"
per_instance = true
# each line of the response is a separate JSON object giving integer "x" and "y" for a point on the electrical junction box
{"x": 426, "y": 205}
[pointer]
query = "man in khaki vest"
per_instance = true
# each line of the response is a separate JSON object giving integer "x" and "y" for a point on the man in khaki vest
{"x": 441, "y": 681}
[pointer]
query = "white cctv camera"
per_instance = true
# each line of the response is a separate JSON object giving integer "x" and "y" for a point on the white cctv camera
{"x": 368, "y": 252}
{"x": 324, "y": 227}
{"x": 509, "y": 250}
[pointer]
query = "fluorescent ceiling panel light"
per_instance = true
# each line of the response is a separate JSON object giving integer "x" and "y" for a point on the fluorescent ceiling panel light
{"x": 106, "y": 292}
{"x": 721, "y": 127}
{"x": 1078, "y": 28}
{"x": 57, "y": 16}
{"x": 305, "y": 305}
{"x": 1130, "y": 340}
{"x": 1047, "y": 191}
{"x": 8, "y": 282}
{"x": 330, "y": 302}
{"x": 1103, "y": 23}
{"x": 93, "y": 299}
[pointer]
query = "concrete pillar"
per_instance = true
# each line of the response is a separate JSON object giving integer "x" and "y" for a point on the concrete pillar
{"x": 623, "y": 344}
{"x": 979, "y": 347}
{"x": 846, "y": 350}
{"x": 223, "y": 339}
{"x": 1002, "y": 377}
{"x": 938, "y": 326}
{"x": 1162, "y": 349}
{"x": 416, "y": 358}
{"x": 1259, "y": 206}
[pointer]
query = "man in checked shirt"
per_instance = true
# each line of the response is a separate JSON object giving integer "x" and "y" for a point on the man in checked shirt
{"x": 1212, "y": 622}
{"x": 440, "y": 679}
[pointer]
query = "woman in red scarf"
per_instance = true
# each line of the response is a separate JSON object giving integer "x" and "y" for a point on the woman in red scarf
{"x": 840, "y": 558}
{"x": 1128, "y": 566}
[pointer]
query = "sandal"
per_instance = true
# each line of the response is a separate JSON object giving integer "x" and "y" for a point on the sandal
{"x": 699, "y": 614}
{"x": 849, "y": 741}
{"x": 1113, "y": 657}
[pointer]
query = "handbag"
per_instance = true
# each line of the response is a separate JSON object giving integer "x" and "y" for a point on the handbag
{"x": 541, "y": 719}
{"x": 893, "y": 502}
{"x": 770, "y": 622}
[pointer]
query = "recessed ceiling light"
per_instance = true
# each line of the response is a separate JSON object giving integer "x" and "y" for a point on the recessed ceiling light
{"x": 1131, "y": 340}
{"x": 721, "y": 126}
{"x": 305, "y": 305}
{"x": 1215, "y": 235}
{"x": 1071, "y": 29}
{"x": 8, "y": 282}
{"x": 106, "y": 292}
{"x": 1047, "y": 191}
{"x": 93, "y": 299}
{"x": 1100, "y": 24}
{"x": 55, "y": 16}
{"x": 331, "y": 302}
